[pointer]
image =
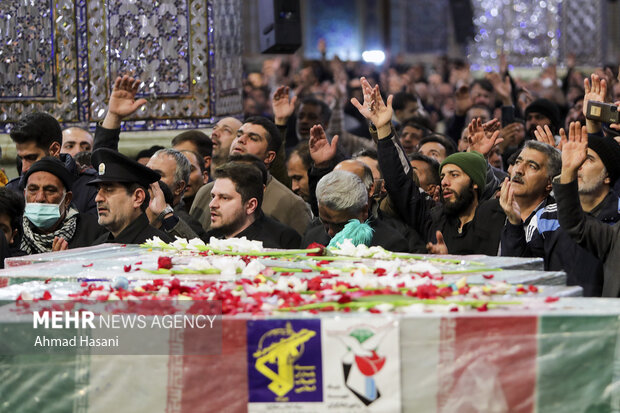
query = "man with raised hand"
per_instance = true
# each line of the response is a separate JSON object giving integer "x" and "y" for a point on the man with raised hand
{"x": 461, "y": 223}
{"x": 547, "y": 238}
{"x": 599, "y": 238}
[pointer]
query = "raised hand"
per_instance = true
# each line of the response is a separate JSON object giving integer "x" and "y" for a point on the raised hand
{"x": 512, "y": 134}
{"x": 597, "y": 91}
{"x": 122, "y": 101}
{"x": 156, "y": 205}
{"x": 374, "y": 109}
{"x": 283, "y": 107}
{"x": 503, "y": 88}
{"x": 462, "y": 100}
{"x": 574, "y": 153}
{"x": 508, "y": 203}
{"x": 440, "y": 247}
{"x": 479, "y": 140}
{"x": 321, "y": 150}
{"x": 544, "y": 135}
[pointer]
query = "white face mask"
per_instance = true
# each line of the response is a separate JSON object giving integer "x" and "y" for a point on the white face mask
{"x": 43, "y": 215}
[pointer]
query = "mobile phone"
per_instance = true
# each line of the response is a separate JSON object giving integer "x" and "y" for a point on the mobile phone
{"x": 508, "y": 115}
{"x": 602, "y": 112}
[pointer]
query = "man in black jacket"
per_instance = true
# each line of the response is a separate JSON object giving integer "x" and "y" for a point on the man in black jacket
{"x": 50, "y": 223}
{"x": 123, "y": 198}
{"x": 461, "y": 223}
{"x": 235, "y": 207}
{"x": 39, "y": 134}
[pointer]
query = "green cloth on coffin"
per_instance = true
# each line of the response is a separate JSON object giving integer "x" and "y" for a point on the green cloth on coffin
{"x": 357, "y": 232}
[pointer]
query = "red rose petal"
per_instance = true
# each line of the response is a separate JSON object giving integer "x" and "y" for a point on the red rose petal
{"x": 488, "y": 276}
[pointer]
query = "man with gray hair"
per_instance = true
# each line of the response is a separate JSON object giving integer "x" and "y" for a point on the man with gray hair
{"x": 342, "y": 196}
{"x": 545, "y": 237}
{"x": 530, "y": 185}
{"x": 174, "y": 168}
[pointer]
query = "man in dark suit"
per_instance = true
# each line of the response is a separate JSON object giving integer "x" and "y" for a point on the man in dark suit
{"x": 123, "y": 197}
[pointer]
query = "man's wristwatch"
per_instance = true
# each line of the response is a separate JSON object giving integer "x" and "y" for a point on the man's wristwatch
{"x": 163, "y": 213}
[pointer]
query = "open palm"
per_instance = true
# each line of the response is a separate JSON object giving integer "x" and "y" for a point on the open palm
{"x": 374, "y": 108}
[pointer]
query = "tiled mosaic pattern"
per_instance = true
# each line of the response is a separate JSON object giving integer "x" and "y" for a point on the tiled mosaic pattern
{"x": 64, "y": 56}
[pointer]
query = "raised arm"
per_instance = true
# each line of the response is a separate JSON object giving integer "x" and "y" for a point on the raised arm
{"x": 122, "y": 104}
{"x": 592, "y": 234}
{"x": 405, "y": 194}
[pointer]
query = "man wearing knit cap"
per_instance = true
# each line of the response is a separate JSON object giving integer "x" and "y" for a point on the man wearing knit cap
{"x": 591, "y": 228}
{"x": 51, "y": 222}
{"x": 123, "y": 197}
{"x": 461, "y": 223}
{"x": 544, "y": 237}
{"x": 541, "y": 112}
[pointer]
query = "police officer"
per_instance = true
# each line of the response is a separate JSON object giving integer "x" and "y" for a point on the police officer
{"x": 123, "y": 198}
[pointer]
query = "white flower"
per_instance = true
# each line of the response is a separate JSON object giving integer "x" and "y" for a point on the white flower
{"x": 347, "y": 248}
{"x": 196, "y": 244}
{"x": 228, "y": 265}
{"x": 156, "y": 242}
{"x": 253, "y": 268}
{"x": 199, "y": 263}
{"x": 420, "y": 267}
{"x": 236, "y": 244}
{"x": 179, "y": 243}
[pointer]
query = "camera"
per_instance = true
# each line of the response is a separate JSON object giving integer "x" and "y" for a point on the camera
{"x": 602, "y": 112}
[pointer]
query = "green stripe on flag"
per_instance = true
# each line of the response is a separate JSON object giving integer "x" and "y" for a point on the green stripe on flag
{"x": 575, "y": 363}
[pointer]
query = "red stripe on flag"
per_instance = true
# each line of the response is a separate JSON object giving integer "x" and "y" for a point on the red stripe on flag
{"x": 217, "y": 383}
{"x": 488, "y": 363}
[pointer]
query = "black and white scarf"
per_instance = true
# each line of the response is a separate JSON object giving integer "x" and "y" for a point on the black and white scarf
{"x": 35, "y": 243}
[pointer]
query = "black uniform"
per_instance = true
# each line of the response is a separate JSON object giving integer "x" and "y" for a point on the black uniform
{"x": 135, "y": 233}
{"x": 113, "y": 166}
{"x": 271, "y": 232}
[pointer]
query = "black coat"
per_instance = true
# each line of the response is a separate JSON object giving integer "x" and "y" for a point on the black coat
{"x": 87, "y": 232}
{"x": 135, "y": 233}
{"x": 479, "y": 236}
{"x": 546, "y": 238}
{"x": 384, "y": 235}
{"x": 271, "y": 232}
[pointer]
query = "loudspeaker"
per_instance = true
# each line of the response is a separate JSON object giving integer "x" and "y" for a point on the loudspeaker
{"x": 462, "y": 17}
{"x": 279, "y": 23}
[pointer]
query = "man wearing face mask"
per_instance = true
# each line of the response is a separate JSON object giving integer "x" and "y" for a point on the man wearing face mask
{"x": 51, "y": 222}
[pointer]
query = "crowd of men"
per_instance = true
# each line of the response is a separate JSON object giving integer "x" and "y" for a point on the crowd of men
{"x": 442, "y": 163}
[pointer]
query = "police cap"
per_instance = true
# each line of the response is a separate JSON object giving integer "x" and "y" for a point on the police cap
{"x": 113, "y": 166}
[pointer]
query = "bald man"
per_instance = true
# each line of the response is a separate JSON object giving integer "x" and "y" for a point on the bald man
{"x": 75, "y": 140}
{"x": 224, "y": 133}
